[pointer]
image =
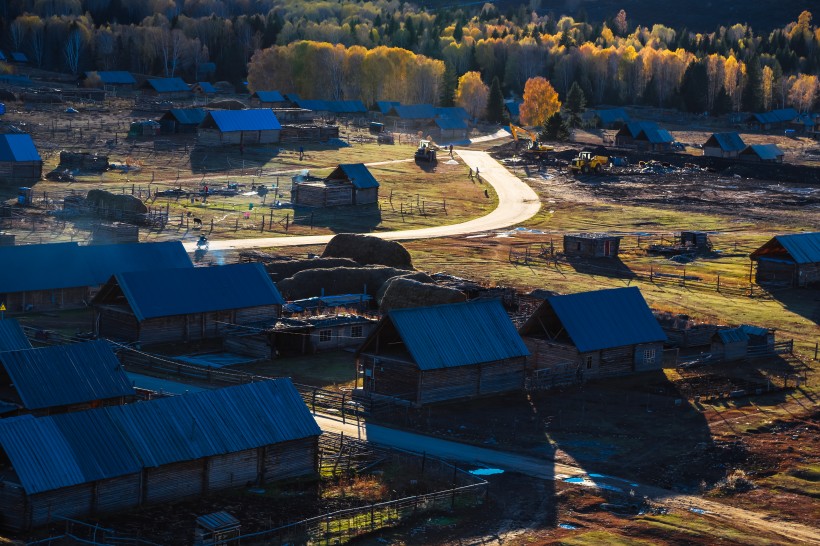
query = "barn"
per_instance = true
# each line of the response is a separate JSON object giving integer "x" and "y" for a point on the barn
{"x": 166, "y": 88}
{"x": 63, "y": 378}
{"x": 591, "y": 245}
{"x": 348, "y": 184}
{"x": 269, "y": 99}
{"x": 118, "y": 458}
{"x": 762, "y": 153}
{"x": 181, "y": 120}
{"x": 427, "y": 355}
{"x": 793, "y": 260}
{"x": 723, "y": 145}
{"x": 603, "y": 333}
{"x": 184, "y": 304}
{"x": 20, "y": 162}
{"x": 242, "y": 127}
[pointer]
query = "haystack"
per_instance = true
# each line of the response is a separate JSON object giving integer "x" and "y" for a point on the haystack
{"x": 337, "y": 280}
{"x": 368, "y": 250}
{"x": 227, "y": 104}
{"x": 404, "y": 292}
{"x": 282, "y": 269}
{"x": 114, "y": 205}
{"x": 419, "y": 277}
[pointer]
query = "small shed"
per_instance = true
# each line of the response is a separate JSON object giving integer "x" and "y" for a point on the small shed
{"x": 591, "y": 245}
{"x": 761, "y": 340}
{"x": 348, "y": 184}
{"x": 181, "y": 120}
{"x": 723, "y": 145}
{"x": 12, "y": 336}
{"x": 595, "y": 334}
{"x": 20, "y": 162}
{"x": 270, "y": 99}
{"x": 426, "y": 355}
{"x": 186, "y": 304}
{"x": 762, "y": 153}
{"x": 166, "y": 88}
{"x": 790, "y": 259}
{"x": 217, "y": 529}
{"x": 242, "y": 127}
{"x": 730, "y": 344}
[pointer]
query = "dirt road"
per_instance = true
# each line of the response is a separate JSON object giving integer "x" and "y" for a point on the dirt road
{"x": 517, "y": 202}
{"x": 550, "y": 470}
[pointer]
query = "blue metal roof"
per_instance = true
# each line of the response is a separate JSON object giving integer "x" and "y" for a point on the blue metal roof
{"x": 766, "y": 152}
{"x": 384, "y": 106}
{"x": 114, "y": 77}
{"x": 18, "y": 147}
{"x": 729, "y": 142}
{"x": 655, "y": 135}
{"x": 32, "y": 267}
{"x": 76, "y": 373}
{"x": 12, "y": 337}
{"x": 413, "y": 111}
{"x": 2, "y": 56}
{"x": 106, "y": 260}
{"x": 11, "y": 79}
{"x": 169, "y": 85}
{"x": 269, "y": 96}
{"x": 183, "y": 291}
{"x": 217, "y": 521}
{"x": 312, "y": 104}
{"x": 257, "y": 119}
{"x": 458, "y": 334}
{"x": 754, "y": 330}
{"x": 782, "y": 115}
{"x": 205, "y": 87}
{"x": 186, "y": 116}
{"x": 452, "y": 112}
{"x": 451, "y": 123}
{"x": 357, "y": 173}
{"x": 804, "y": 248}
{"x": 604, "y": 319}
{"x": 19, "y": 57}
{"x": 732, "y": 335}
{"x": 612, "y": 115}
{"x": 636, "y": 127}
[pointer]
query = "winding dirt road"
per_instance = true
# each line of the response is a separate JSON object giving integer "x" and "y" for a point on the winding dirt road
{"x": 517, "y": 202}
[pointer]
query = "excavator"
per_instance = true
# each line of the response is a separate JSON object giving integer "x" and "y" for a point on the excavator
{"x": 533, "y": 147}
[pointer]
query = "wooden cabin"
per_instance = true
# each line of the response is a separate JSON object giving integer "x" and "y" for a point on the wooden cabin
{"x": 20, "y": 162}
{"x": 727, "y": 145}
{"x": 162, "y": 450}
{"x": 730, "y": 344}
{"x": 793, "y": 260}
{"x": 63, "y": 378}
{"x": 239, "y": 127}
{"x": 427, "y": 355}
{"x": 590, "y": 335}
{"x": 348, "y": 184}
{"x": 591, "y": 245}
{"x": 181, "y": 120}
{"x": 269, "y": 99}
{"x": 112, "y": 80}
{"x": 166, "y": 88}
{"x": 451, "y": 128}
{"x": 774, "y": 119}
{"x": 184, "y": 304}
{"x": 762, "y": 153}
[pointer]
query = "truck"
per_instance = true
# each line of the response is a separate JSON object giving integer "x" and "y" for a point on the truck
{"x": 426, "y": 151}
{"x": 587, "y": 162}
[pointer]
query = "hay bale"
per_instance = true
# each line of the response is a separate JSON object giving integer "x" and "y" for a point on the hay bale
{"x": 282, "y": 269}
{"x": 419, "y": 277}
{"x": 337, "y": 280}
{"x": 368, "y": 250}
{"x": 404, "y": 292}
{"x": 114, "y": 205}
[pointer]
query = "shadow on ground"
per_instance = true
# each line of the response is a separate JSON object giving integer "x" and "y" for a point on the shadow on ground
{"x": 345, "y": 219}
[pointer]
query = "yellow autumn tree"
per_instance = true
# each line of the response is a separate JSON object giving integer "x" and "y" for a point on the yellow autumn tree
{"x": 540, "y": 102}
{"x": 472, "y": 93}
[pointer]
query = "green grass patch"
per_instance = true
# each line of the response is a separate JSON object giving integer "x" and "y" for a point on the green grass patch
{"x": 331, "y": 369}
{"x": 595, "y": 538}
{"x": 697, "y": 526}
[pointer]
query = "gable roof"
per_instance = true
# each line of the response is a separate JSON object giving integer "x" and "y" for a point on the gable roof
{"x": 451, "y": 123}
{"x": 185, "y": 116}
{"x": 204, "y": 87}
{"x": 357, "y": 173}
{"x": 269, "y": 96}
{"x": 728, "y": 142}
{"x": 18, "y": 147}
{"x": 732, "y": 335}
{"x": 114, "y": 77}
{"x": 312, "y": 104}
{"x": 458, "y": 334}
{"x": 170, "y": 292}
{"x": 775, "y": 116}
{"x": 345, "y": 106}
{"x": 655, "y": 135}
{"x": 603, "y": 319}
{"x": 413, "y": 111}
{"x": 105, "y": 260}
{"x": 76, "y": 373}
{"x": 12, "y": 336}
{"x": 803, "y": 248}
{"x": 384, "y": 106}
{"x": 255, "y": 119}
{"x": 763, "y": 151}
{"x": 635, "y": 128}
{"x": 169, "y": 85}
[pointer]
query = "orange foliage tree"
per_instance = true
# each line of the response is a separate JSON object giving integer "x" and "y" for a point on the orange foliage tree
{"x": 540, "y": 102}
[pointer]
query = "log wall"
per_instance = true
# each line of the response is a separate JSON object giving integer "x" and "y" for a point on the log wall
{"x": 290, "y": 460}
{"x": 173, "y": 481}
{"x": 46, "y": 300}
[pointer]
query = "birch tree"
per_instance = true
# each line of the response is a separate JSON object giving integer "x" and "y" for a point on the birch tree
{"x": 472, "y": 94}
{"x": 72, "y": 49}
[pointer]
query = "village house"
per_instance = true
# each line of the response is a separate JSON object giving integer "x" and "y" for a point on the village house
{"x": 348, "y": 184}
{"x": 591, "y": 245}
{"x": 113, "y": 79}
{"x": 723, "y": 145}
{"x": 608, "y": 118}
{"x": 240, "y": 127}
{"x": 20, "y": 162}
{"x": 269, "y": 99}
{"x": 62, "y": 378}
{"x": 162, "y": 450}
{"x": 762, "y": 153}
{"x": 590, "y": 335}
{"x": 451, "y": 128}
{"x": 166, "y": 88}
{"x": 186, "y": 304}
{"x": 205, "y": 90}
{"x": 793, "y": 260}
{"x": 181, "y": 120}
{"x": 775, "y": 119}
{"x": 426, "y": 355}
{"x": 644, "y": 135}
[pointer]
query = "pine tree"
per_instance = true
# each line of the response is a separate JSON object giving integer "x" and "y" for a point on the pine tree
{"x": 695, "y": 80}
{"x": 555, "y": 129}
{"x": 458, "y": 32}
{"x": 495, "y": 103}
{"x": 575, "y": 104}
{"x": 752, "y": 99}
{"x": 448, "y": 87}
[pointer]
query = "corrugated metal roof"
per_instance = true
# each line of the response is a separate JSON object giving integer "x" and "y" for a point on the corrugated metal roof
{"x": 114, "y": 77}
{"x": 781, "y": 115}
{"x": 18, "y": 147}
{"x": 604, "y": 319}
{"x": 205, "y": 87}
{"x": 656, "y": 135}
{"x": 182, "y": 291}
{"x": 269, "y": 96}
{"x": 346, "y": 106}
{"x": 169, "y": 85}
{"x": 207, "y": 423}
{"x": 12, "y": 337}
{"x": 766, "y": 152}
{"x": 106, "y": 260}
{"x": 804, "y": 248}
{"x": 636, "y": 127}
{"x": 754, "y": 330}
{"x": 19, "y": 57}
{"x": 257, "y": 119}
{"x": 186, "y": 116}
{"x": 451, "y": 123}
{"x": 217, "y": 521}
{"x": 729, "y": 142}
{"x": 452, "y": 112}
{"x": 77, "y": 373}
{"x": 732, "y": 335}
{"x": 612, "y": 115}
{"x": 312, "y": 105}
{"x": 413, "y": 111}
{"x": 358, "y": 174}
{"x": 32, "y": 267}
{"x": 458, "y": 334}
{"x": 384, "y": 106}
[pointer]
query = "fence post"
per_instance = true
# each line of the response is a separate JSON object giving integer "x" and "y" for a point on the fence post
{"x": 344, "y": 394}
{"x": 453, "y": 501}
{"x": 212, "y": 226}
{"x": 816, "y": 347}
{"x": 313, "y": 401}
{"x": 718, "y": 283}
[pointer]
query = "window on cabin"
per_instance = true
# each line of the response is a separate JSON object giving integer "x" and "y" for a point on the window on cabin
{"x": 324, "y": 335}
{"x": 649, "y": 356}
{"x": 356, "y": 331}
{"x": 589, "y": 363}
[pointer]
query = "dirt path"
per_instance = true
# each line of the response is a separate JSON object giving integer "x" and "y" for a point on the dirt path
{"x": 517, "y": 202}
{"x": 550, "y": 470}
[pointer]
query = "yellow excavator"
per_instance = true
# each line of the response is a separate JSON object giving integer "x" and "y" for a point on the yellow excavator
{"x": 533, "y": 147}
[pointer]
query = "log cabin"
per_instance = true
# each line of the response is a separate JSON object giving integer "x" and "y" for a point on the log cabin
{"x": 792, "y": 260}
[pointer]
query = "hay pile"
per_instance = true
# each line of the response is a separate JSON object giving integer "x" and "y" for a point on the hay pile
{"x": 282, "y": 269}
{"x": 419, "y": 277}
{"x": 115, "y": 205}
{"x": 338, "y": 280}
{"x": 368, "y": 250}
{"x": 404, "y": 292}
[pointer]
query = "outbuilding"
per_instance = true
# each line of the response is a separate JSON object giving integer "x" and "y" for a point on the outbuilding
{"x": 774, "y": 119}
{"x": 451, "y": 128}
{"x": 793, "y": 260}
{"x": 113, "y": 79}
{"x": 348, "y": 184}
{"x": 270, "y": 99}
{"x": 426, "y": 355}
{"x": 166, "y": 88}
{"x": 723, "y": 145}
{"x": 645, "y": 135}
{"x": 730, "y": 344}
{"x": 591, "y": 245}
{"x": 20, "y": 162}
{"x": 181, "y": 120}
{"x": 242, "y": 127}
{"x": 762, "y": 153}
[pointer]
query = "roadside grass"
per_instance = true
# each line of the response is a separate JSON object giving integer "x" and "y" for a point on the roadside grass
{"x": 803, "y": 480}
{"x": 595, "y": 538}
{"x": 697, "y": 528}
{"x": 334, "y": 369}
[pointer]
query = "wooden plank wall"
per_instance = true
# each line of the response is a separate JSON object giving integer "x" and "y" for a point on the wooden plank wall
{"x": 232, "y": 470}
{"x": 173, "y": 481}
{"x": 448, "y": 384}
{"x": 117, "y": 324}
{"x": 69, "y": 502}
{"x": 614, "y": 362}
{"x": 12, "y": 506}
{"x": 47, "y": 300}
{"x": 390, "y": 377}
{"x": 502, "y": 376}
{"x": 290, "y": 459}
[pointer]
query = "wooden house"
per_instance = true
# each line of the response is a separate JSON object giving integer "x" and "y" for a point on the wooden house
{"x": 333, "y": 332}
{"x": 239, "y": 127}
{"x": 269, "y": 99}
{"x": 591, "y": 245}
{"x": 166, "y": 88}
{"x": 730, "y": 344}
{"x": 203, "y": 89}
{"x": 411, "y": 116}
{"x": 774, "y": 119}
{"x": 762, "y": 153}
{"x": 723, "y": 145}
{"x": 793, "y": 260}
{"x": 426, "y": 355}
{"x": 604, "y": 333}
{"x": 607, "y": 118}
{"x": 119, "y": 458}
{"x": 20, "y": 162}
{"x": 181, "y": 120}
{"x": 451, "y": 128}
{"x": 63, "y": 378}
{"x": 348, "y": 184}
{"x": 184, "y": 304}
{"x": 644, "y": 135}
{"x": 113, "y": 79}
